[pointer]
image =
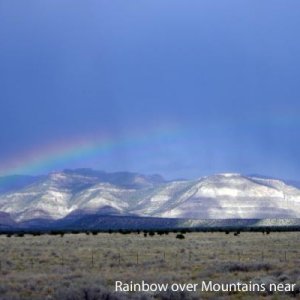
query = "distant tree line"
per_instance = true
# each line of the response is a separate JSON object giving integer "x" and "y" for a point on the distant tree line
{"x": 237, "y": 230}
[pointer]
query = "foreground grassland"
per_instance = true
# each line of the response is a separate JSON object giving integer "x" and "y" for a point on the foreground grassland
{"x": 81, "y": 266}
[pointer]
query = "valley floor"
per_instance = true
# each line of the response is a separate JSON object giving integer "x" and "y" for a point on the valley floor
{"x": 81, "y": 266}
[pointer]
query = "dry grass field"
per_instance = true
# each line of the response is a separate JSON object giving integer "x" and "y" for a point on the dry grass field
{"x": 81, "y": 266}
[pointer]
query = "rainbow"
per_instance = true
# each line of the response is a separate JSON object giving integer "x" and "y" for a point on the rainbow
{"x": 80, "y": 149}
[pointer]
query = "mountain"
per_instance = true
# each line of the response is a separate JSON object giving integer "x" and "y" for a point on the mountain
{"x": 61, "y": 193}
{"x": 6, "y": 221}
{"x": 295, "y": 183}
{"x": 87, "y": 196}
{"x": 233, "y": 196}
{"x": 122, "y": 179}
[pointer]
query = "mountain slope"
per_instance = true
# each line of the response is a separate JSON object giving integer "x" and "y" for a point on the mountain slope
{"x": 61, "y": 193}
{"x": 236, "y": 196}
{"x": 6, "y": 221}
{"x": 85, "y": 192}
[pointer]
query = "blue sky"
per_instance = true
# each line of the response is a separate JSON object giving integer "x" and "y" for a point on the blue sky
{"x": 222, "y": 77}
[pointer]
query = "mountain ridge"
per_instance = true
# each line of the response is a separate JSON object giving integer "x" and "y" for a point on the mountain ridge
{"x": 86, "y": 192}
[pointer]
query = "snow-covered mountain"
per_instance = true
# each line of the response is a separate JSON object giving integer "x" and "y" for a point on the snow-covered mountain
{"x": 234, "y": 196}
{"x": 83, "y": 192}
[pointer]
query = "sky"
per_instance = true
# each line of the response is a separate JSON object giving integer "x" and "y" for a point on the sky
{"x": 179, "y": 88}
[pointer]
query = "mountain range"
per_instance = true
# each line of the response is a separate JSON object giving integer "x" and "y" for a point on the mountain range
{"x": 96, "y": 199}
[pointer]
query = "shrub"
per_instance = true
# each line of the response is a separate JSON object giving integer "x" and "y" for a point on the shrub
{"x": 36, "y": 233}
{"x": 180, "y": 236}
{"x": 245, "y": 267}
{"x": 94, "y": 293}
{"x": 169, "y": 295}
